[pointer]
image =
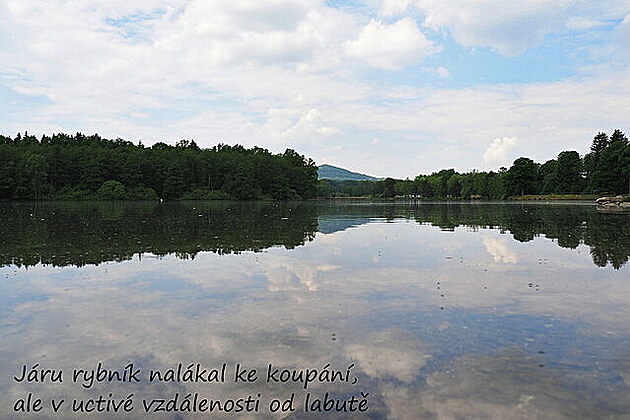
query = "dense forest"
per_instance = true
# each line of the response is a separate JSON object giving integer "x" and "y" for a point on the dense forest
{"x": 604, "y": 170}
{"x": 80, "y": 167}
{"x": 77, "y": 167}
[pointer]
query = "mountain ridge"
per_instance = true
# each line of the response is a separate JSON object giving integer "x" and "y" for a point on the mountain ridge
{"x": 336, "y": 173}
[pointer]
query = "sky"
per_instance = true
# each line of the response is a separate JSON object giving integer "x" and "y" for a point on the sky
{"x": 384, "y": 87}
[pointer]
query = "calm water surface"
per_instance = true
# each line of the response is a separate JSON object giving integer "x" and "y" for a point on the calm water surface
{"x": 446, "y": 311}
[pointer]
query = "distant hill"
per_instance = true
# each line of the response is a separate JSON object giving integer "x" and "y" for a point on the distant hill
{"x": 339, "y": 174}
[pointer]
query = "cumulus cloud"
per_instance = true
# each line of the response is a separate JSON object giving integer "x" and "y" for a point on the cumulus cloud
{"x": 507, "y": 27}
{"x": 499, "y": 148}
{"x": 298, "y": 124}
{"x": 236, "y": 32}
{"x": 214, "y": 70}
{"x": 392, "y": 46}
{"x": 394, "y": 7}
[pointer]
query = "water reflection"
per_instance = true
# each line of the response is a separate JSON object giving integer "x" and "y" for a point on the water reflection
{"x": 443, "y": 314}
{"x": 90, "y": 233}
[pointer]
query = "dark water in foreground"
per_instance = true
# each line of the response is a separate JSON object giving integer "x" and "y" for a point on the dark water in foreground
{"x": 434, "y": 311}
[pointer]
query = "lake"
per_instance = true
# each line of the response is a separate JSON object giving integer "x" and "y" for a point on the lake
{"x": 314, "y": 310}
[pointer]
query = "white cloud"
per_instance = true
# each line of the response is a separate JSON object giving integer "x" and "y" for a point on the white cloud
{"x": 281, "y": 73}
{"x": 238, "y": 32}
{"x": 508, "y": 27}
{"x": 438, "y": 71}
{"x": 394, "y": 7}
{"x": 241, "y": 53}
{"x": 442, "y": 71}
{"x": 295, "y": 124}
{"x": 392, "y": 46}
{"x": 498, "y": 150}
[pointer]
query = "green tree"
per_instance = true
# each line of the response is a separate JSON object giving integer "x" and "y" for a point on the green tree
{"x": 600, "y": 142}
{"x": 454, "y": 185}
{"x": 404, "y": 188}
{"x": 548, "y": 176}
{"x": 173, "y": 182}
{"x": 609, "y": 175}
{"x": 8, "y": 167}
{"x": 618, "y": 136}
{"x": 387, "y": 187}
{"x": 481, "y": 184}
{"x": 32, "y": 174}
{"x": 325, "y": 188}
{"x": 568, "y": 173}
{"x": 111, "y": 190}
{"x": 496, "y": 184}
{"x": 522, "y": 177}
{"x": 624, "y": 162}
{"x": 422, "y": 186}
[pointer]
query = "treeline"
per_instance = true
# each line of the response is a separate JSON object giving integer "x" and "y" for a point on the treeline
{"x": 78, "y": 167}
{"x": 605, "y": 170}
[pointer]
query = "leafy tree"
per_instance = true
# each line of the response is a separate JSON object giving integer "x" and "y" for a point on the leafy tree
{"x": 605, "y": 166}
{"x": 240, "y": 184}
{"x": 522, "y": 177}
{"x": 173, "y": 182}
{"x": 568, "y": 173}
{"x": 481, "y": 185}
{"x": 624, "y": 163}
{"x": 32, "y": 173}
{"x": 422, "y": 186}
{"x": 590, "y": 166}
{"x": 404, "y": 188}
{"x": 454, "y": 185}
{"x": 387, "y": 187}
{"x": 496, "y": 185}
{"x": 8, "y": 168}
{"x": 111, "y": 190}
{"x": 548, "y": 176}
{"x": 608, "y": 177}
